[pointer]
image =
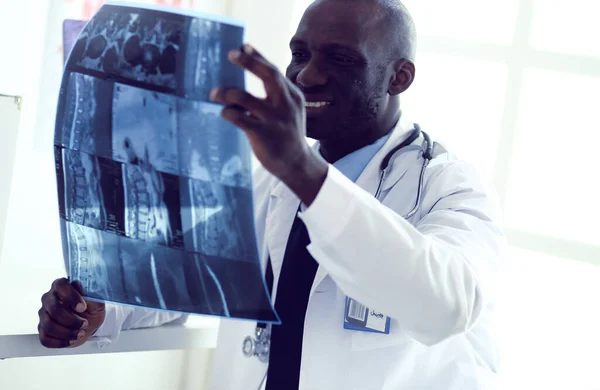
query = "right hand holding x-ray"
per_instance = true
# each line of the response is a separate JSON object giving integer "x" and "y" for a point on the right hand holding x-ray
{"x": 66, "y": 319}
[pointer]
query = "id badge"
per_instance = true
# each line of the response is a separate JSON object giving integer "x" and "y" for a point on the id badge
{"x": 360, "y": 317}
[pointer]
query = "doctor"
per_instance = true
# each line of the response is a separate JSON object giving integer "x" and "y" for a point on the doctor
{"x": 423, "y": 259}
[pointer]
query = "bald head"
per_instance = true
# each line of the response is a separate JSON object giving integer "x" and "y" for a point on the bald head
{"x": 401, "y": 28}
{"x": 395, "y": 24}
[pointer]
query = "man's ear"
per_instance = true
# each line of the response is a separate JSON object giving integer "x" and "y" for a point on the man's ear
{"x": 402, "y": 78}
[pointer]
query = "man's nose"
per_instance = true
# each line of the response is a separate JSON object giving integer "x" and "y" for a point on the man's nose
{"x": 311, "y": 76}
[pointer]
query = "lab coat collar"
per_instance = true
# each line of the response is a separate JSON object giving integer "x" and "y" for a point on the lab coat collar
{"x": 369, "y": 179}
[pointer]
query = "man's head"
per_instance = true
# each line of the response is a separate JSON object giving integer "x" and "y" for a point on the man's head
{"x": 356, "y": 57}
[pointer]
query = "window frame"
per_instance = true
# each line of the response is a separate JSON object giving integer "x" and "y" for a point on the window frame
{"x": 520, "y": 56}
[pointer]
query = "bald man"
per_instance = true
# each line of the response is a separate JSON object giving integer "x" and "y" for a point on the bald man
{"x": 371, "y": 294}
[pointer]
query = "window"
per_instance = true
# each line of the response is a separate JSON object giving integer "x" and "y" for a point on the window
{"x": 558, "y": 120}
{"x": 459, "y": 101}
{"x": 494, "y": 21}
{"x": 566, "y": 26}
{"x": 498, "y": 82}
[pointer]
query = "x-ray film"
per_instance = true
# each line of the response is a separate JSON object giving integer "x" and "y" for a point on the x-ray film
{"x": 155, "y": 188}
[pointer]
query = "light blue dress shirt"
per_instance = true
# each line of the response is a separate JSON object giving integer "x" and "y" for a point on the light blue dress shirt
{"x": 355, "y": 163}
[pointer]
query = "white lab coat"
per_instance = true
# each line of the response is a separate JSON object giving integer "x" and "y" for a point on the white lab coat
{"x": 433, "y": 274}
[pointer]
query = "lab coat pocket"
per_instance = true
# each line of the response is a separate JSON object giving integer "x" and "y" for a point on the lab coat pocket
{"x": 365, "y": 341}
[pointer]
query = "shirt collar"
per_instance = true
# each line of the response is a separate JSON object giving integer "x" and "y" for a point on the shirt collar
{"x": 353, "y": 164}
{"x": 400, "y": 133}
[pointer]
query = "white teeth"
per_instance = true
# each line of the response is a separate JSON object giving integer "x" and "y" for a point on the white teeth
{"x": 316, "y": 104}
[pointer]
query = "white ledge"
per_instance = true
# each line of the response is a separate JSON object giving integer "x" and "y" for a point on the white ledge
{"x": 168, "y": 337}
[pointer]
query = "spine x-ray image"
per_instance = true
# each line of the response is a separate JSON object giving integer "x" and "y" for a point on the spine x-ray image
{"x": 155, "y": 188}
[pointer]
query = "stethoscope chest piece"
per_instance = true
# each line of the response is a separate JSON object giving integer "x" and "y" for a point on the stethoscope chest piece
{"x": 259, "y": 345}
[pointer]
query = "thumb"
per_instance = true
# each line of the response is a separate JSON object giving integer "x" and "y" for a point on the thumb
{"x": 95, "y": 307}
{"x": 92, "y": 307}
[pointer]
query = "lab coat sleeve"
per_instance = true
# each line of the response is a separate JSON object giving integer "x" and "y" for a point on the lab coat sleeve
{"x": 120, "y": 318}
{"x": 433, "y": 278}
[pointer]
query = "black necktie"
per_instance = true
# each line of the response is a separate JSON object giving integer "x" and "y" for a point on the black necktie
{"x": 293, "y": 289}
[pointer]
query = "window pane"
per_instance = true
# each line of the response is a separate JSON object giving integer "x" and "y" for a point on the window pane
{"x": 566, "y": 26}
{"x": 459, "y": 102}
{"x": 553, "y": 187}
{"x": 547, "y": 323}
{"x": 471, "y": 20}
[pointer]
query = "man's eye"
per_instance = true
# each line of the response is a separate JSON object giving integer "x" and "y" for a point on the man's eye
{"x": 299, "y": 54}
{"x": 343, "y": 59}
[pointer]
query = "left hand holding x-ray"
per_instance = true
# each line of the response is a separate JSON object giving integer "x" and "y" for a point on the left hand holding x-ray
{"x": 275, "y": 125}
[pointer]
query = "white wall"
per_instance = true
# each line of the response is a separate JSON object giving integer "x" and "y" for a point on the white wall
{"x": 12, "y": 25}
{"x": 21, "y": 54}
{"x": 9, "y": 125}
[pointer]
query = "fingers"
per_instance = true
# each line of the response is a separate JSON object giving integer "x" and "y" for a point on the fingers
{"x": 63, "y": 315}
{"x": 69, "y": 295}
{"x": 240, "y": 119}
{"x": 52, "y": 342}
{"x": 60, "y": 313}
{"x": 240, "y": 99}
{"x": 91, "y": 308}
{"x": 54, "y": 335}
{"x": 249, "y": 59}
{"x": 60, "y": 324}
{"x": 78, "y": 287}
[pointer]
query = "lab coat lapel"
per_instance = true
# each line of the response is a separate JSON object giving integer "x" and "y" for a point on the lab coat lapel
{"x": 283, "y": 205}
{"x": 369, "y": 178}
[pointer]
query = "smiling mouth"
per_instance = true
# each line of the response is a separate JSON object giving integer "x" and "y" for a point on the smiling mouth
{"x": 316, "y": 104}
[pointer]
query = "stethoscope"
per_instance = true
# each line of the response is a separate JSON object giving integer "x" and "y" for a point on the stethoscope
{"x": 427, "y": 156}
{"x": 259, "y": 345}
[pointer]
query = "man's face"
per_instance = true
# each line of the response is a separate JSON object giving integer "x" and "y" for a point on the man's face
{"x": 338, "y": 62}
